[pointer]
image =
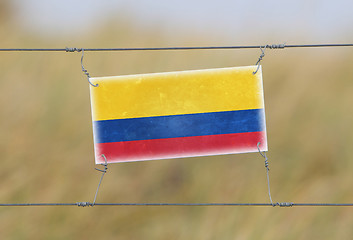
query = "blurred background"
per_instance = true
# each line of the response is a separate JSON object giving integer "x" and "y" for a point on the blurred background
{"x": 46, "y": 134}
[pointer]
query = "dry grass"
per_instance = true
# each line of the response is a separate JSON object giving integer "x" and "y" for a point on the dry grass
{"x": 47, "y": 151}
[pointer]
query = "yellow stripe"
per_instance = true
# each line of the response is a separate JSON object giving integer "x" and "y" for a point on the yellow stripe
{"x": 174, "y": 93}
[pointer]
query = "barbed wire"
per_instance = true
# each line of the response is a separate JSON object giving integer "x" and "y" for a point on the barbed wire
{"x": 89, "y": 204}
{"x": 271, "y": 46}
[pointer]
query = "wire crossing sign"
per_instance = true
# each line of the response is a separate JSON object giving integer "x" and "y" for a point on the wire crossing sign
{"x": 178, "y": 114}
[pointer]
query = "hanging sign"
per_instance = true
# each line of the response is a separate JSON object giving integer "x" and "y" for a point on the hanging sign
{"x": 178, "y": 114}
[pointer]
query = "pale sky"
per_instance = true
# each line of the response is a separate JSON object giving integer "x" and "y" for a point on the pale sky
{"x": 315, "y": 21}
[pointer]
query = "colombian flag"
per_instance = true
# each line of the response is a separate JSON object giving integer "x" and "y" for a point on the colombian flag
{"x": 178, "y": 114}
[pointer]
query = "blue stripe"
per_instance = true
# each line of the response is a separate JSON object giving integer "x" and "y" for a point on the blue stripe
{"x": 186, "y": 125}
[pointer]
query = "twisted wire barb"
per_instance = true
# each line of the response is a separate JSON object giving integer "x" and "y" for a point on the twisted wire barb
{"x": 68, "y": 49}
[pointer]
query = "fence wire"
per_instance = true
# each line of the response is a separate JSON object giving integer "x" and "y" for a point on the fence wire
{"x": 270, "y": 46}
{"x": 89, "y": 204}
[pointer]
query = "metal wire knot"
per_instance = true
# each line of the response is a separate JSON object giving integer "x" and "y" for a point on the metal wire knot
{"x": 263, "y": 154}
{"x": 284, "y": 204}
{"x": 105, "y": 164}
{"x": 84, "y": 204}
{"x": 273, "y": 46}
{"x": 276, "y": 46}
{"x": 67, "y": 49}
{"x": 260, "y": 59}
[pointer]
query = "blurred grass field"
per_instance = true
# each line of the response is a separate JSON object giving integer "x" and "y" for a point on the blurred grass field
{"x": 47, "y": 146}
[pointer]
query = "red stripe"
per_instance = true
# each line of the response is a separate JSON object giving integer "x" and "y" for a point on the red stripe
{"x": 180, "y": 147}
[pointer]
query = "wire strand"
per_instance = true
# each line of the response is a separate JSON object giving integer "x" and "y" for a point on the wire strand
{"x": 272, "y": 46}
{"x": 86, "y": 204}
{"x": 104, "y": 171}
